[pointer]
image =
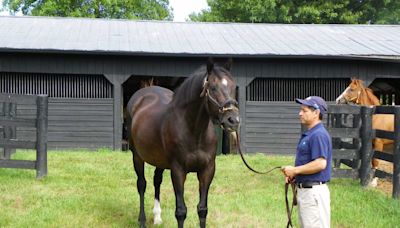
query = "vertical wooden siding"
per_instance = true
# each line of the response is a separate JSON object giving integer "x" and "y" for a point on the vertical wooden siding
{"x": 56, "y": 85}
{"x": 274, "y": 89}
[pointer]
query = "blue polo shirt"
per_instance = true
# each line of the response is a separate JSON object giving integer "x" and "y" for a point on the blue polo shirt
{"x": 314, "y": 143}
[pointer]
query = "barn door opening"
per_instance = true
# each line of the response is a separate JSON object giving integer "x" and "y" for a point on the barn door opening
{"x": 387, "y": 90}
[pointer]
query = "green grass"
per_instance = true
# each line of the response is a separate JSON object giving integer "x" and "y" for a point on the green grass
{"x": 98, "y": 189}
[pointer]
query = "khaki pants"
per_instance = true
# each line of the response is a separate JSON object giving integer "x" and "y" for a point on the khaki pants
{"x": 314, "y": 206}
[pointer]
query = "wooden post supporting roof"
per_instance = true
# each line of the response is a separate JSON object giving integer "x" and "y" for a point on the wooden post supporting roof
{"x": 117, "y": 80}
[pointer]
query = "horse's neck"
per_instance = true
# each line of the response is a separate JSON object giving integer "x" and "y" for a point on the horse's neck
{"x": 191, "y": 105}
{"x": 196, "y": 116}
{"x": 368, "y": 98}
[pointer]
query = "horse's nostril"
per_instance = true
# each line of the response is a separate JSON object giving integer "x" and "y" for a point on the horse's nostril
{"x": 230, "y": 120}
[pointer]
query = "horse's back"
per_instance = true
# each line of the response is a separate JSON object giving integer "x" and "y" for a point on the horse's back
{"x": 147, "y": 109}
{"x": 383, "y": 122}
{"x": 149, "y": 97}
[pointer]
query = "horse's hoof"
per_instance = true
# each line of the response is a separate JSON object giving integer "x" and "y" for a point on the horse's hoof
{"x": 373, "y": 183}
{"x": 157, "y": 221}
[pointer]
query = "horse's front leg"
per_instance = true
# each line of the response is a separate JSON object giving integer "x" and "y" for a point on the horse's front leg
{"x": 178, "y": 176}
{"x": 138, "y": 164}
{"x": 205, "y": 177}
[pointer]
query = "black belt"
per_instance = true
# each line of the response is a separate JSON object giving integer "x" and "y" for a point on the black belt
{"x": 309, "y": 184}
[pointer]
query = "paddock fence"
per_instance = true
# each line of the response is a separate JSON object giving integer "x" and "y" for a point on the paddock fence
{"x": 11, "y": 124}
{"x": 351, "y": 130}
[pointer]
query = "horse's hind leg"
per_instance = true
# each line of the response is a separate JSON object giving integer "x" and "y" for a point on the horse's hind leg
{"x": 205, "y": 177}
{"x": 138, "y": 164}
{"x": 158, "y": 176}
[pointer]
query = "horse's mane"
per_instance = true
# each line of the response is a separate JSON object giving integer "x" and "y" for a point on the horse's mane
{"x": 191, "y": 88}
{"x": 371, "y": 98}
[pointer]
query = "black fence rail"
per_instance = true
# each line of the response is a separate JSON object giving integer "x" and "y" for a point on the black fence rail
{"x": 9, "y": 124}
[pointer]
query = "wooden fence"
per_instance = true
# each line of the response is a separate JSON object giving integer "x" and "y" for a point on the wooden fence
{"x": 393, "y": 157}
{"x": 9, "y": 125}
{"x": 344, "y": 125}
{"x": 352, "y": 135}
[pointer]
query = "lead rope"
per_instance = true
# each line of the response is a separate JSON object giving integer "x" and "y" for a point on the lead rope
{"x": 289, "y": 210}
{"x": 294, "y": 201}
{"x": 244, "y": 161}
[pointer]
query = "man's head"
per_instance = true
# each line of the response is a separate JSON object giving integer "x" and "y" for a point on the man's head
{"x": 312, "y": 109}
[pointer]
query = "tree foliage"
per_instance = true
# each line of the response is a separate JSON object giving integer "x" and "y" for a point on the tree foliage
{"x": 124, "y": 9}
{"x": 301, "y": 11}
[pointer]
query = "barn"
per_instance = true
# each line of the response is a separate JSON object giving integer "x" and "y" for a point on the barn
{"x": 90, "y": 67}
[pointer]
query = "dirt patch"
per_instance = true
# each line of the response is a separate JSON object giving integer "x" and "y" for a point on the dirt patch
{"x": 385, "y": 185}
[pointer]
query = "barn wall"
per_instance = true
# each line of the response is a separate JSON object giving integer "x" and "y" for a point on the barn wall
{"x": 80, "y": 107}
{"x": 270, "y": 122}
{"x": 73, "y": 123}
{"x": 271, "y": 127}
{"x": 182, "y": 67}
{"x": 117, "y": 69}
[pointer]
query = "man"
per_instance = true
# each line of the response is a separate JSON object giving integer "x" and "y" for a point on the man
{"x": 312, "y": 168}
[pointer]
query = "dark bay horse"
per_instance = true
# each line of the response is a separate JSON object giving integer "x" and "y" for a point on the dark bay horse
{"x": 175, "y": 131}
{"x": 357, "y": 93}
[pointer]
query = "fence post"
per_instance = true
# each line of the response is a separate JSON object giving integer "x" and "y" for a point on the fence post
{"x": 9, "y": 110}
{"x": 41, "y": 136}
{"x": 396, "y": 154}
{"x": 366, "y": 151}
{"x": 356, "y": 141}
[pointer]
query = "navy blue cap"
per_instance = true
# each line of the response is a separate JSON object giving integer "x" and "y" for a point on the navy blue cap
{"x": 314, "y": 102}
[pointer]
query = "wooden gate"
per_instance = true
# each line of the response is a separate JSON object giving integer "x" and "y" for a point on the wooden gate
{"x": 10, "y": 124}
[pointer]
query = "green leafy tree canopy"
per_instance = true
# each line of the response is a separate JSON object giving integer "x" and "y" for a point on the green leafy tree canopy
{"x": 121, "y": 9}
{"x": 301, "y": 11}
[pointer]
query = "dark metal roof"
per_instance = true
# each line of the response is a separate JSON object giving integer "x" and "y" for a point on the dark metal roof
{"x": 83, "y": 35}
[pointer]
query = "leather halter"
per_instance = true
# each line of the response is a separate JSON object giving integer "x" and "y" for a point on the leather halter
{"x": 228, "y": 105}
{"x": 356, "y": 98}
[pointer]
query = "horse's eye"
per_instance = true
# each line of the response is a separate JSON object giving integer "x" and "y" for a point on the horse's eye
{"x": 213, "y": 88}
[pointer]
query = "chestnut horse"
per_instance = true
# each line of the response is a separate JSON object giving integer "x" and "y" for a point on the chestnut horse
{"x": 357, "y": 93}
{"x": 175, "y": 131}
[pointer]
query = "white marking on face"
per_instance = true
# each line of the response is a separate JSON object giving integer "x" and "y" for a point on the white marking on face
{"x": 224, "y": 82}
{"x": 341, "y": 95}
{"x": 157, "y": 212}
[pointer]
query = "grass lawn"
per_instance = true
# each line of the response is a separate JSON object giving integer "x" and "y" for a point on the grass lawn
{"x": 98, "y": 189}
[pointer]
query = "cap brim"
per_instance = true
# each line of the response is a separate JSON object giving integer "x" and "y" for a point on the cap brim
{"x": 303, "y": 102}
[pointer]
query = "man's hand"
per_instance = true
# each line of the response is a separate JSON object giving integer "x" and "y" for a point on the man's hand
{"x": 290, "y": 172}
{"x": 289, "y": 180}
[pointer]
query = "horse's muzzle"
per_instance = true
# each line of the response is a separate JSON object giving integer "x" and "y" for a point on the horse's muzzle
{"x": 230, "y": 120}
{"x": 341, "y": 101}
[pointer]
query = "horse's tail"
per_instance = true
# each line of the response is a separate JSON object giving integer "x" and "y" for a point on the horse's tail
{"x": 147, "y": 83}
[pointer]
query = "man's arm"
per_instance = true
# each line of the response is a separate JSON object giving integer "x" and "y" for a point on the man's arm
{"x": 312, "y": 167}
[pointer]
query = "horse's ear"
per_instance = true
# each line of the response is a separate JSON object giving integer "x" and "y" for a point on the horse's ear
{"x": 228, "y": 64}
{"x": 210, "y": 65}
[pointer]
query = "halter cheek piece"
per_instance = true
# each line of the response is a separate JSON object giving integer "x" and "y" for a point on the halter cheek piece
{"x": 229, "y": 104}
{"x": 357, "y": 98}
